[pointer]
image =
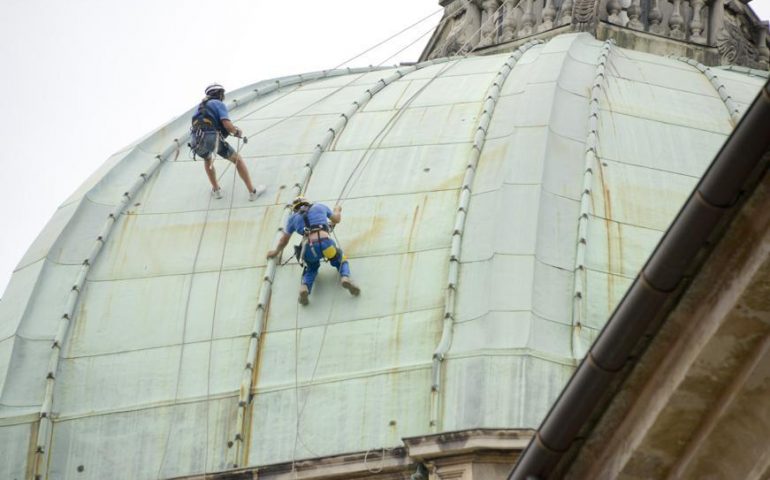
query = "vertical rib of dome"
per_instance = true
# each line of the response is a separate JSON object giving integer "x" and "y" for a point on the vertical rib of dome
{"x": 366, "y": 358}
{"x": 45, "y": 422}
{"x": 719, "y": 86}
{"x": 43, "y": 437}
{"x": 300, "y": 187}
{"x": 493, "y": 93}
{"x": 591, "y": 146}
{"x": 519, "y": 242}
{"x": 480, "y": 196}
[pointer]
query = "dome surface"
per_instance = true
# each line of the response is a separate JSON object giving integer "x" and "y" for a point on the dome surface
{"x": 145, "y": 332}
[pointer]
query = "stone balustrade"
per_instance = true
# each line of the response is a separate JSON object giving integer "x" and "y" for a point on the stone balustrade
{"x": 727, "y": 25}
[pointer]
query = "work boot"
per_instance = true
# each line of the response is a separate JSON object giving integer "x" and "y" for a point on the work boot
{"x": 258, "y": 190}
{"x": 216, "y": 193}
{"x": 350, "y": 286}
{"x": 303, "y": 294}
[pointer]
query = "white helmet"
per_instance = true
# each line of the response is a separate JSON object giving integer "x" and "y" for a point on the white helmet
{"x": 215, "y": 90}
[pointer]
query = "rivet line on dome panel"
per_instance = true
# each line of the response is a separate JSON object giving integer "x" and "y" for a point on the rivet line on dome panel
{"x": 719, "y": 86}
{"x": 42, "y": 444}
{"x": 331, "y": 135}
{"x": 238, "y": 455}
{"x": 439, "y": 354}
{"x": 591, "y": 162}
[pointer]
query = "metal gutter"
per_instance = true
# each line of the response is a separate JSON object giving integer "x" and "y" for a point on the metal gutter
{"x": 732, "y": 175}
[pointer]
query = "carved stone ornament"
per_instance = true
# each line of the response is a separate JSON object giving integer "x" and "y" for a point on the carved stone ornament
{"x": 613, "y": 12}
{"x": 510, "y": 19}
{"x": 584, "y": 14}
{"x": 696, "y": 25}
{"x": 676, "y": 22}
{"x": 634, "y": 12}
{"x": 737, "y": 33}
{"x": 463, "y": 22}
{"x": 549, "y": 13}
{"x": 735, "y": 41}
{"x": 655, "y": 17}
{"x": 527, "y": 20}
{"x": 565, "y": 13}
{"x": 489, "y": 21}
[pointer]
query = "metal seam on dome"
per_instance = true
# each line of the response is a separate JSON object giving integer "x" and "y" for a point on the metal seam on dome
{"x": 237, "y": 455}
{"x": 591, "y": 157}
{"x": 439, "y": 354}
{"x": 45, "y": 425}
{"x": 43, "y": 438}
{"x": 720, "y": 88}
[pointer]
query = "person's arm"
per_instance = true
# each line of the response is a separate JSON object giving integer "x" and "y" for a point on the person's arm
{"x": 224, "y": 117}
{"x": 336, "y": 216}
{"x": 282, "y": 242}
{"x": 232, "y": 129}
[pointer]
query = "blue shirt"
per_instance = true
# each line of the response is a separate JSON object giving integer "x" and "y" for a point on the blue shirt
{"x": 318, "y": 214}
{"x": 218, "y": 110}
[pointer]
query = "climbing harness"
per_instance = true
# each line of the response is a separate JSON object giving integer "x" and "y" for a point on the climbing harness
{"x": 205, "y": 125}
{"x": 328, "y": 254}
{"x": 300, "y": 406}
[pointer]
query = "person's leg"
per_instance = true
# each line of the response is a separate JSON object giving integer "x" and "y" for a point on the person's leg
{"x": 308, "y": 277}
{"x": 211, "y": 173}
{"x": 243, "y": 171}
{"x": 204, "y": 145}
{"x": 312, "y": 260}
{"x": 226, "y": 151}
{"x": 340, "y": 262}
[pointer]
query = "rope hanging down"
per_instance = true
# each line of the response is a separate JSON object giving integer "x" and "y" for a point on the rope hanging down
{"x": 381, "y": 135}
{"x": 238, "y": 437}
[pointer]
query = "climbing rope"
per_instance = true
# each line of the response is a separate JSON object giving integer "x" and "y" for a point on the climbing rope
{"x": 184, "y": 330}
{"x": 216, "y": 301}
{"x": 389, "y": 39}
{"x": 275, "y": 124}
{"x": 380, "y": 137}
{"x": 263, "y": 302}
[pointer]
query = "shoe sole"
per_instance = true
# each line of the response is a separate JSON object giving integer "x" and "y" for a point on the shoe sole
{"x": 354, "y": 290}
{"x": 303, "y": 298}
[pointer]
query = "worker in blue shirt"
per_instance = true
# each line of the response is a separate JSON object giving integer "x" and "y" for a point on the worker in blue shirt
{"x": 210, "y": 127}
{"x": 311, "y": 220}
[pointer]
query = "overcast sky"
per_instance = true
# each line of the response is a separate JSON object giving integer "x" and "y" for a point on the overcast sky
{"x": 83, "y": 78}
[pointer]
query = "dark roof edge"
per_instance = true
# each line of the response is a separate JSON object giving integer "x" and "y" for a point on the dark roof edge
{"x": 728, "y": 180}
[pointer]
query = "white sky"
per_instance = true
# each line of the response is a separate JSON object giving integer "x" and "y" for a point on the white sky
{"x": 81, "y": 79}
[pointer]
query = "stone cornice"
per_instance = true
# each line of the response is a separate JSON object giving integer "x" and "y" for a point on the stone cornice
{"x": 723, "y": 32}
{"x": 455, "y": 450}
